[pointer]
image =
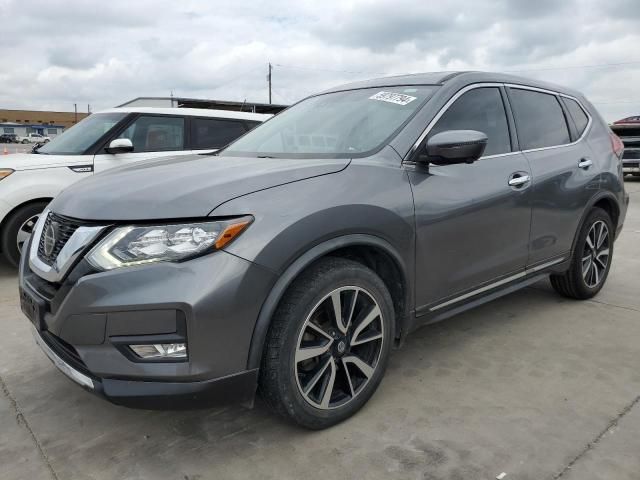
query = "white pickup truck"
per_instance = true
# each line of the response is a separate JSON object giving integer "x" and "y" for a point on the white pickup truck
{"x": 34, "y": 138}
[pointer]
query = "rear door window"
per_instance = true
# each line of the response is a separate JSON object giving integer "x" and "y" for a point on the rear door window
{"x": 580, "y": 118}
{"x": 479, "y": 109}
{"x": 156, "y": 133}
{"x": 208, "y": 133}
{"x": 539, "y": 119}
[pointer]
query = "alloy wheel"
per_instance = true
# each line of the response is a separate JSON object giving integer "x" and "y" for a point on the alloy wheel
{"x": 25, "y": 231}
{"x": 595, "y": 258}
{"x": 339, "y": 347}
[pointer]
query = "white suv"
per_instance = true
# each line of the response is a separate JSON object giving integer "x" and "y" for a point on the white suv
{"x": 101, "y": 141}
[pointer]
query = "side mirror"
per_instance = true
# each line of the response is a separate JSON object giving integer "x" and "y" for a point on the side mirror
{"x": 456, "y": 146}
{"x": 120, "y": 145}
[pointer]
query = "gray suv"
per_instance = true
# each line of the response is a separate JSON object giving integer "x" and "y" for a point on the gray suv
{"x": 291, "y": 262}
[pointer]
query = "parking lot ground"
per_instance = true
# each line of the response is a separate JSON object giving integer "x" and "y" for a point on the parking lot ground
{"x": 12, "y": 148}
{"x": 532, "y": 385}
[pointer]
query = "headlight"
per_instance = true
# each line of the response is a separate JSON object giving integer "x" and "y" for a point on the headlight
{"x": 127, "y": 246}
{"x": 5, "y": 172}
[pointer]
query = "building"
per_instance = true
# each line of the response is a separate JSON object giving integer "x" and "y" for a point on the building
{"x": 22, "y": 130}
{"x": 181, "y": 102}
{"x": 39, "y": 117}
{"x": 23, "y": 122}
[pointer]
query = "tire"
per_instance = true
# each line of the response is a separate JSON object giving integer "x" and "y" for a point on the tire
{"x": 306, "y": 316}
{"x": 18, "y": 220}
{"x": 25, "y": 141}
{"x": 580, "y": 281}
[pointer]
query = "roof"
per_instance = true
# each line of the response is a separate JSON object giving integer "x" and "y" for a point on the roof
{"x": 186, "y": 102}
{"x": 441, "y": 78}
{"x": 193, "y": 112}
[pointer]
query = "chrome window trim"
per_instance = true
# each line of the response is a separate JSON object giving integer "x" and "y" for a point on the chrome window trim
{"x": 446, "y": 106}
{"x": 499, "y": 283}
{"x": 76, "y": 244}
{"x": 473, "y": 86}
{"x": 558, "y": 94}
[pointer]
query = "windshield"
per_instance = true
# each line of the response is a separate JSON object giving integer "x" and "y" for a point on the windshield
{"x": 334, "y": 125}
{"x": 78, "y": 138}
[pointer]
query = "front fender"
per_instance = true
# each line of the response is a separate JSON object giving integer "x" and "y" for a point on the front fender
{"x": 24, "y": 186}
{"x": 367, "y": 204}
{"x": 292, "y": 271}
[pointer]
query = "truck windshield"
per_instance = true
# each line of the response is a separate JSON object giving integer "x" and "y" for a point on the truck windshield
{"x": 78, "y": 138}
{"x": 351, "y": 123}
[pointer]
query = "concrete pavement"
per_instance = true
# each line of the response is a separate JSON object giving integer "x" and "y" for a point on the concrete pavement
{"x": 533, "y": 385}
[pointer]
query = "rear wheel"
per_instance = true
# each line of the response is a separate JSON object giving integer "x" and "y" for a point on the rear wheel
{"x": 328, "y": 344}
{"x": 18, "y": 229}
{"x": 591, "y": 259}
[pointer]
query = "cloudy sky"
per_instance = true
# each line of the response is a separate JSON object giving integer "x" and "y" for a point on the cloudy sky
{"x": 58, "y": 52}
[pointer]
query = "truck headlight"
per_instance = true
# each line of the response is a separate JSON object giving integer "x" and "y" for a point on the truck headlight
{"x": 137, "y": 245}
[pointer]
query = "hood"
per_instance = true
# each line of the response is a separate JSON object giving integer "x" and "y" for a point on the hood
{"x": 32, "y": 161}
{"x": 181, "y": 187}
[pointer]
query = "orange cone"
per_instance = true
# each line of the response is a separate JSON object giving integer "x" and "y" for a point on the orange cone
{"x": 5, "y": 151}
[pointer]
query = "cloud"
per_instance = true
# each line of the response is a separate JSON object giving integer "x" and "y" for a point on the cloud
{"x": 59, "y": 53}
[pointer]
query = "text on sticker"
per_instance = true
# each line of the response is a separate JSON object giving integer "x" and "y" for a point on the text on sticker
{"x": 397, "y": 98}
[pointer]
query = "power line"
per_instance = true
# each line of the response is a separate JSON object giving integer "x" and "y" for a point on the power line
{"x": 236, "y": 77}
{"x": 305, "y": 67}
{"x": 614, "y": 102}
{"x": 533, "y": 69}
{"x": 570, "y": 67}
{"x": 276, "y": 92}
{"x": 597, "y": 65}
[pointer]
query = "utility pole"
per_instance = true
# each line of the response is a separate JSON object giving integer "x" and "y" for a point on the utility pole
{"x": 88, "y": 109}
{"x": 269, "y": 80}
{"x": 75, "y": 116}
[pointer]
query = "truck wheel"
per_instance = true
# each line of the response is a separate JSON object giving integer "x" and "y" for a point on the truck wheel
{"x": 328, "y": 344}
{"x": 17, "y": 230}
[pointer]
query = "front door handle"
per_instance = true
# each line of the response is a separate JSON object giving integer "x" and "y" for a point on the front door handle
{"x": 585, "y": 163}
{"x": 518, "y": 180}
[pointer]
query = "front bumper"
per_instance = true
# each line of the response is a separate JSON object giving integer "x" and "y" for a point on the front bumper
{"x": 212, "y": 302}
{"x": 239, "y": 387}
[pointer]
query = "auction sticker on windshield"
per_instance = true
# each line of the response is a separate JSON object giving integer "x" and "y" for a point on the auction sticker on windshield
{"x": 390, "y": 97}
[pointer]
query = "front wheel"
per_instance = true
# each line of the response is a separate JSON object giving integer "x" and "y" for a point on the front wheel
{"x": 328, "y": 344}
{"x": 591, "y": 259}
{"x": 18, "y": 229}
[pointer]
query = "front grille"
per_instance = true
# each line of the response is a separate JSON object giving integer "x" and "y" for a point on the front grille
{"x": 64, "y": 229}
{"x": 631, "y": 154}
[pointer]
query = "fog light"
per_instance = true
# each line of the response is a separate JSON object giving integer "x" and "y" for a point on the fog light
{"x": 160, "y": 350}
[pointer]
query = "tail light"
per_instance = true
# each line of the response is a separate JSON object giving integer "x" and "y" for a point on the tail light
{"x": 617, "y": 145}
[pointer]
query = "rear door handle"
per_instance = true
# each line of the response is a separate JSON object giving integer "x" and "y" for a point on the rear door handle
{"x": 517, "y": 180}
{"x": 585, "y": 163}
